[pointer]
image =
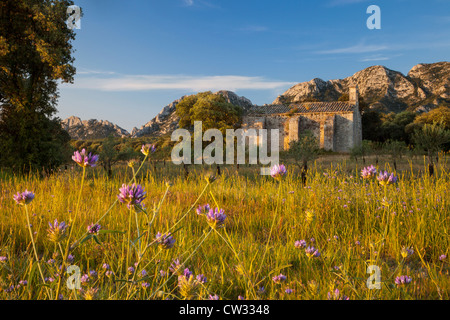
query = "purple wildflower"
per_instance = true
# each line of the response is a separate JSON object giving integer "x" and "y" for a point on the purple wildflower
{"x": 166, "y": 241}
{"x": 187, "y": 284}
{"x": 201, "y": 278}
{"x": 70, "y": 258}
{"x": 145, "y": 285}
{"x": 300, "y": 244}
{"x": 85, "y": 160}
{"x": 368, "y": 172}
{"x": 278, "y": 171}
{"x": 336, "y": 295}
{"x": 279, "y": 278}
{"x": 57, "y": 232}
{"x": 386, "y": 179}
{"x": 288, "y": 291}
{"x": 3, "y": 259}
{"x": 131, "y": 195}
{"x": 213, "y": 297}
{"x": 147, "y": 148}
{"x": 85, "y": 278}
{"x": 216, "y": 218}
{"x": 23, "y": 282}
{"x": 175, "y": 266}
{"x": 131, "y": 270}
{"x": 94, "y": 228}
{"x": 106, "y": 266}
{"x": 203, "y": 209}
{"x": 406, "y": 252}
{"x": 312, "y": 252}
{"x": 23, "y": 198}
{"x": 401, "y": 280}
{"x": 442, "y": 257}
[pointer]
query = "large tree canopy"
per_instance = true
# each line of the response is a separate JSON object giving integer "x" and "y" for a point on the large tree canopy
{"x": 212, "y": 109}
{"x": 35, "y": 53}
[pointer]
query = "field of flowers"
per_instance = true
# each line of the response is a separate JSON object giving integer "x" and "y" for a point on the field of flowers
{"x": 350, "y": 233}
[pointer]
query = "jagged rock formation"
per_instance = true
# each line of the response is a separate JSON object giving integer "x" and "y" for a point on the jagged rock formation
{"x": 425, "y": 87}
{"x": 167, "y": 120}
{"x": 92, "y": 129}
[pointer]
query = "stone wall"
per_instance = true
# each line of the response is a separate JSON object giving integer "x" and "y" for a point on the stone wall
{"x": 335, "y": 131}
{"x": 344, "y": 133}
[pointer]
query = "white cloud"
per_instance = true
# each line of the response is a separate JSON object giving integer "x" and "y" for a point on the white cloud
{"x": 188, "y": 2}
{"x": 359, "y": 48}
{"x": 176, "y": 82}
{"x": 85, "y": 71}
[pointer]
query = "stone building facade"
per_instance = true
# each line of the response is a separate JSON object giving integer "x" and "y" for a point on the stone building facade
{"x": 336, "y": 125}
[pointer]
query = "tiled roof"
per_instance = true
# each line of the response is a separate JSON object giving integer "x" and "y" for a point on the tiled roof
{"x": 305, "y": 107}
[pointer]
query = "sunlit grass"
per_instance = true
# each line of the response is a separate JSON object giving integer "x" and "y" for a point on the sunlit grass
{"x": 353, "y": 223}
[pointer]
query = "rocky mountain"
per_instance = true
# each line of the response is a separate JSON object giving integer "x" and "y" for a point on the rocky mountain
{"x": 425, "y": 87}
{"x": 92, "y": 129}
{"x": 167, "y": 120}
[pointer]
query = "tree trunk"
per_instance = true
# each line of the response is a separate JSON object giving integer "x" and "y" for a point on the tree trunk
{"x": 218, "y": 170}
{"x": 431, "y": 164}
{"x": 186, "y": 171}
{"x": 304, "y": 172}
{"x": 109, "y": 169}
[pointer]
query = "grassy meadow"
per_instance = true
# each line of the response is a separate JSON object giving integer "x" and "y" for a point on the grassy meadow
{"x": 261, "y": 251}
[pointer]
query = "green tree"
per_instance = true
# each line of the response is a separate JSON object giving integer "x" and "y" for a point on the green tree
{"x": 112, "y": 151}
{"x": 431, "y": 138}
{"x": 303, "y": 150}
{"x": 213, "y": 110}
{"x": 396, "y": 149}
{"x": 362, "y": 150}
{"x": 441, "y": 114}
{"x": 35, "y": 53}
{"x": 371, "y": 122}
{"x": 394, "y": 126}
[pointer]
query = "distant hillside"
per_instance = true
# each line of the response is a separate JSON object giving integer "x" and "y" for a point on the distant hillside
{"x": 92, "y": 129}
{"x": 425, "y": 87}
{"x": 167, "y": 120}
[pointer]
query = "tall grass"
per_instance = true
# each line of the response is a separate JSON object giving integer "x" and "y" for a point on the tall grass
{"x": 353, "y": 223}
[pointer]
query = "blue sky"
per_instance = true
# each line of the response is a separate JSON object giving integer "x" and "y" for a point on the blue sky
{"x": 134, "y": 57}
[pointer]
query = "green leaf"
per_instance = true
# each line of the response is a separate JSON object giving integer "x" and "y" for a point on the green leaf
{"x": 86, "y": 239}
{"x": 97, "y": 240}
{"x": 377, "y": 229}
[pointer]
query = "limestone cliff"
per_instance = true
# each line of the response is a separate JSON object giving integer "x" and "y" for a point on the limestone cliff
{"x": 92, "y": 129}
{"x": 425, "y": 87}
